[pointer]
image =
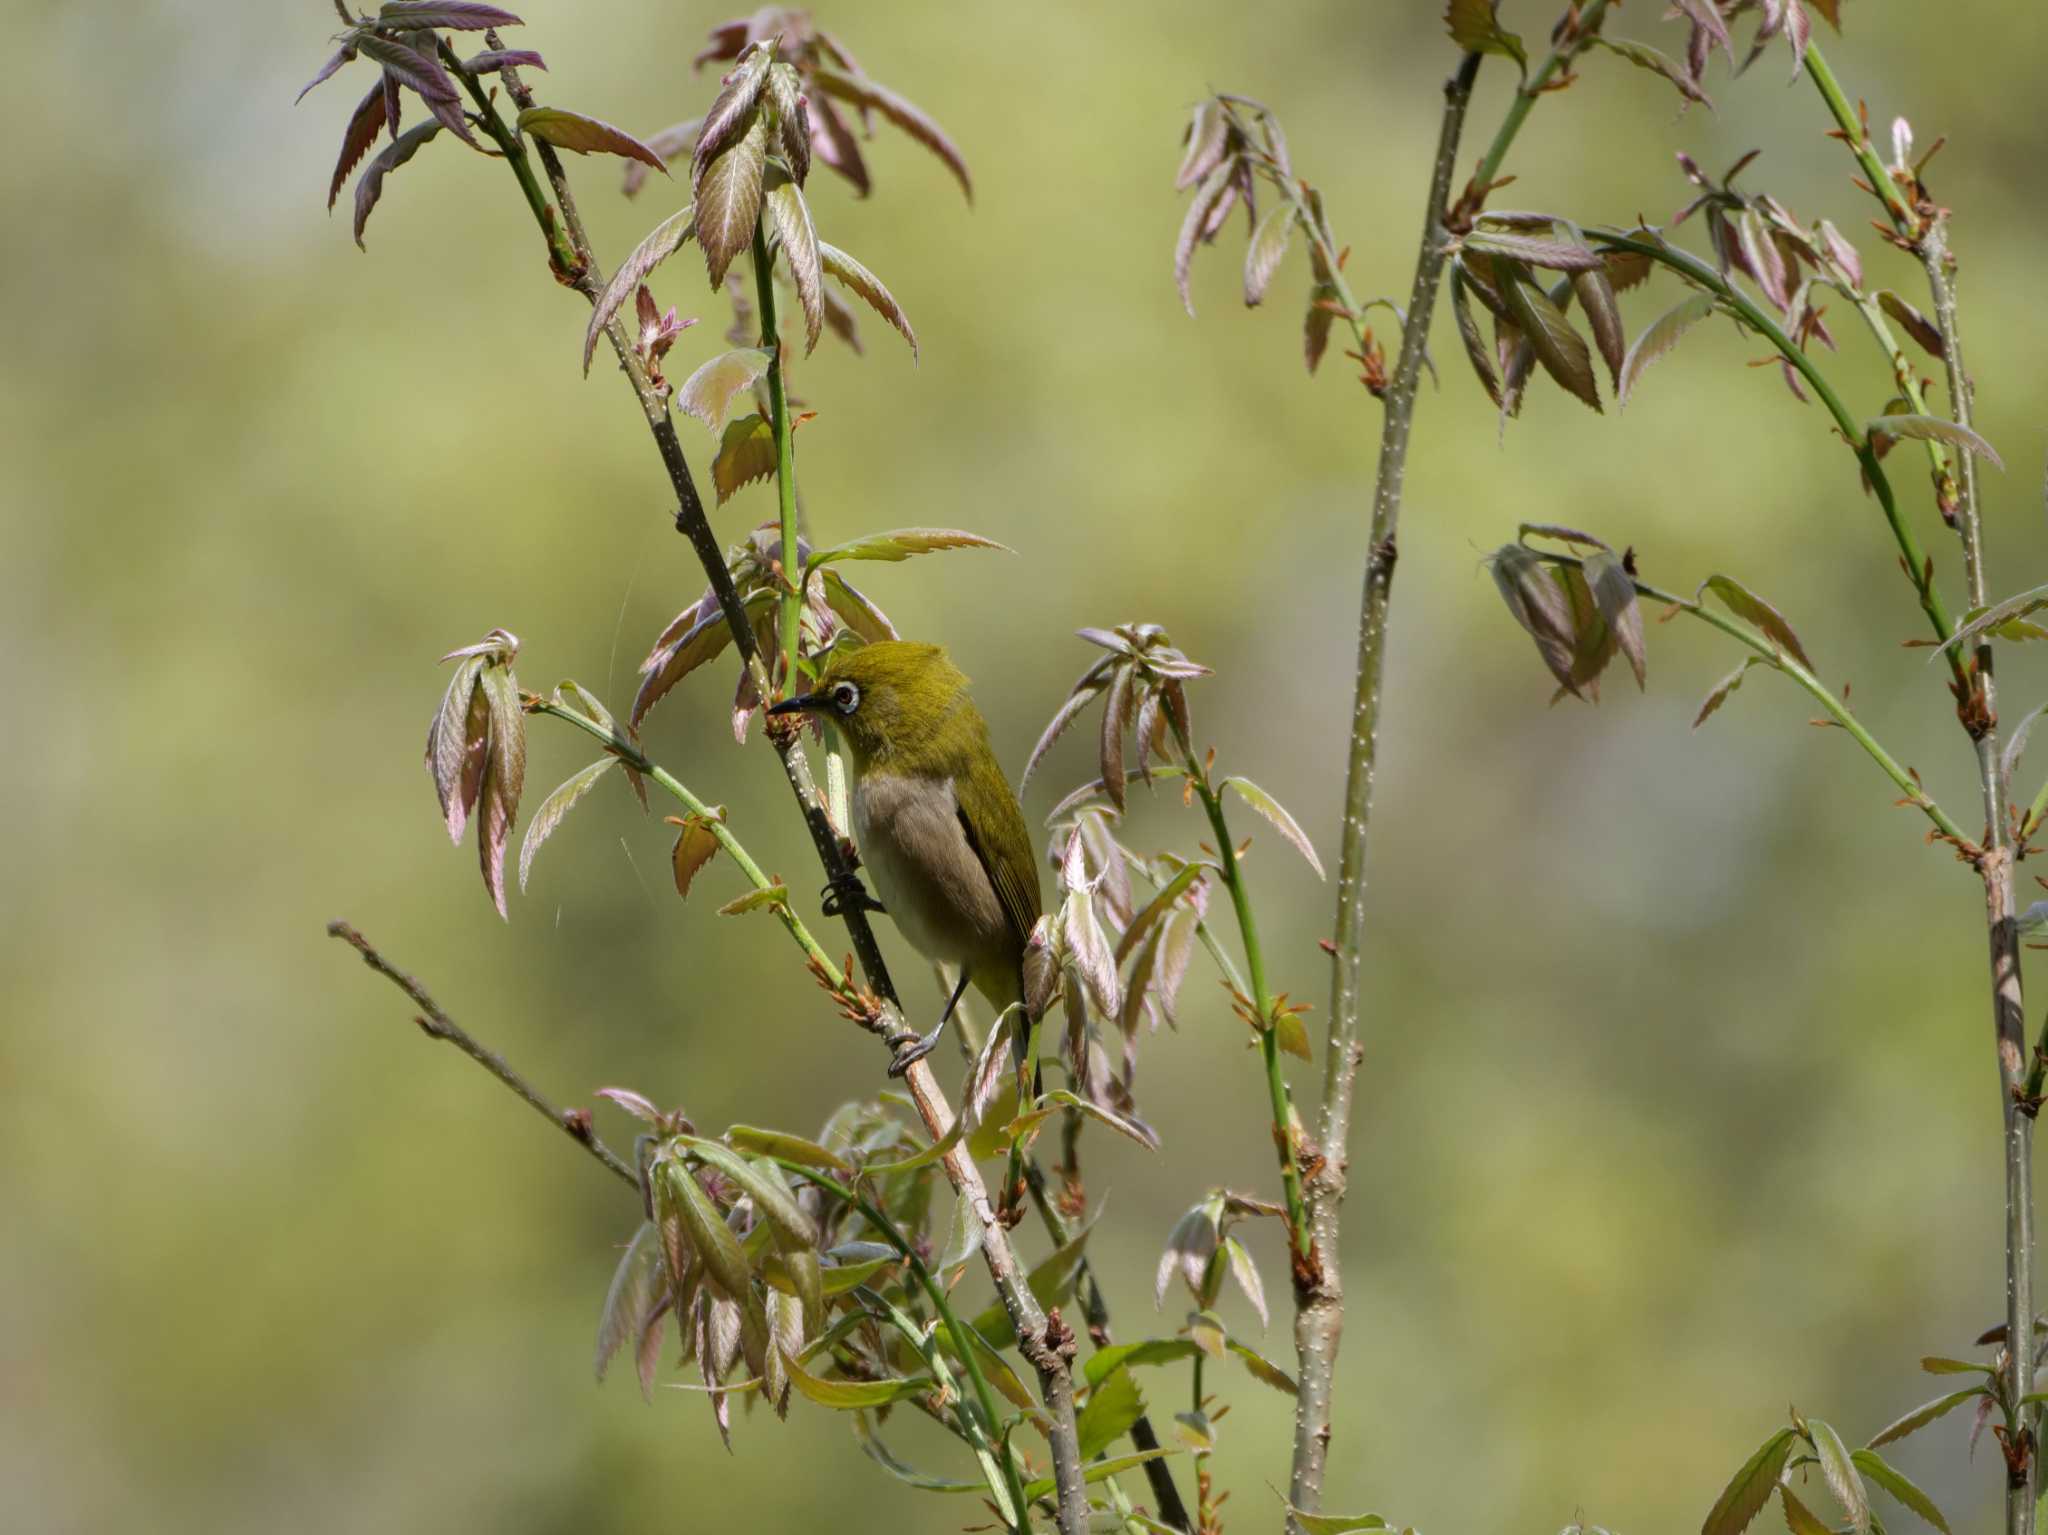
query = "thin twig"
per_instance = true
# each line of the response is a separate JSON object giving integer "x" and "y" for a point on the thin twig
{"x": 574, "y": 1123}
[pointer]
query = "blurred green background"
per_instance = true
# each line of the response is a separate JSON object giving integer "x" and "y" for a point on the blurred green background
{"x": 1680, "y": 1101}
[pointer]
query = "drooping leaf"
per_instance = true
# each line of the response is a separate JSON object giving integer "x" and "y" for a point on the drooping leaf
{"x": 2016, "y": 747}
{"x": 666, "y": 238}
{"x": 762, "y": 1183}
{"x": 1468, "y": 332}
{"x": 364, "y": 125}
{"x": 418, "y": 69}
{"x": 585, "y": 135}
{"x": 1660, "y": 338}
{"x": 1751, "y": 1487}
{"x": 554, "y": 808}
{"x": 1800, "y": 1519}
{"x": 1275, "y": 812}
{"x": 1558, "y": 347}
{"x": 370, "y": 185}
{"x": 1111, "y": 1409}
{"x": 732, "y": 111}
{"x": 494, "y": 59}
{"x": 1153, "y": 910}
{"x": 834, "y": 145}
{"x": 634, "y": 1287}
{"x": 1557, "y": 255}
{"x": 854, "y": 1395}
{"x": 1998, "y": 615}
{"x": 1614, "y": 591}
{"x": 677, "y": 1192}
{"x": 447, "y": 15}
{"x": 792, "y": 119}
{"x": 1194, "y": 228}
{"x": 1934, "y": 429}
{"x": 1267, "y": 249}
{"x": 1595, "y": 293}
{"x": 792, "y": 219}
{"x": 1538, "y": 605}
{"x": 335, "y": 60}
{"x": 695, "y": 845}
{"x": 504, "y": 777}
{"x": 1744, "y": 603}
{"x": 1263, "y": 1369}
{"x": 1645, "y": 57}
{"x": 1728, "y": 684}
{"x": 1915, "y": 324}
{"x": 863, "y": 283}
{"x": 1208, "y": 132}
{"x": 1924, "y": 1414}
{"x": 868, "y": 94}
{"x": 1839, "y": 1471}
{"x": 901, "y": 543}
{"x": 1246, "y": 1273}
{"x": 1900, "y": 1486}
{"x": 729, "y": 198}
{"x": 708, "y": 393}
{"x": 745, "y": 453}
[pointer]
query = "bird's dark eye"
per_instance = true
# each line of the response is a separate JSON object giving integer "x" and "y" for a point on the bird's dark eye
{"x": 846, "y": 698}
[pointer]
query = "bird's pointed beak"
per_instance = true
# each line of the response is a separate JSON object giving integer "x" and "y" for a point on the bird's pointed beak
{"x": 803, "y": 703}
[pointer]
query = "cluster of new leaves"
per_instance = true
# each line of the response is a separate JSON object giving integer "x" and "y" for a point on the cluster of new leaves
{"x": 1232, "y": 145}
{"x": 833, "y": 86}
{"x": 476, "y": 751}
{"x": 1806, "y": 1450}
{"x": 404, "y": 40}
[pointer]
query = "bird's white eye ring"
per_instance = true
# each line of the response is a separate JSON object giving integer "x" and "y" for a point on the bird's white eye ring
{"x": 846, "y": 697}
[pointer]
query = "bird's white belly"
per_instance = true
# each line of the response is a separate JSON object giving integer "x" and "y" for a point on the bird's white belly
{"x": 923, "y": 867}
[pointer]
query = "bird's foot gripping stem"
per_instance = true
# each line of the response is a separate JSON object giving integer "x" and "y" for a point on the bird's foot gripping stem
{"x": 847, "y": 894}
{"x": 911, "y": 1048}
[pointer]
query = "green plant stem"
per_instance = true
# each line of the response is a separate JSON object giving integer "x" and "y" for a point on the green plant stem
{"x": 1286, "y": 1124}
{"x": 785, "y": 455}
{"x": 1908, "y": 380}
{"x": 1882, "y": 187}
{"x": 438, "y": 1025}
{"x": 1571, "y": 41}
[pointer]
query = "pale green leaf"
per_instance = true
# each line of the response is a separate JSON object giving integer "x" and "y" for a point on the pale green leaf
{"x": 708, "y": 393}
{"x": 554, "y": 808}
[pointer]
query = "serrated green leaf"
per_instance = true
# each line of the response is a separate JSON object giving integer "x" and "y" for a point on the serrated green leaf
{"x": 552, "y": 809}
{"x": 1924, "y": 1414}
{"x": 1934, "y": 429}
{"x": 1998, "y": 615}
{"x": 1900, "y": 1486}
{"x": 709, "y": 392}
{"x": 1119, "y": 1355}
{"x": 1750, "y": 1488}
{"x": 1111, "y": 1409}
{"x": 1276, "y": 812}
{"x": 844, "y": 269}
{"x": 901, "y": 543}
{"x": 791, "y": 215}
{"x": 1263, "y": 1369}
{"x": 1645, "y": 57}
{"x": 1937, "y": 1364}
{"x": 635, "y": 1284}
{"x": 1335, "y": 1524}
{"x": 664, "y": 241}
{"x": 1267, "y": 249}
{"x": 745, "y": 453}
{"x": 763, "y": 1184}
{"x": 1800, "y": 1519}
{"x": 1744, "y": 603}
{"x": 1474, "y": 28}
{"x": 1096, "y": 1471}
{"x": 789, "y": 1148}
{"x": 1728, "y": 684}
{"x": 754, "y": 900}
{"x": 1661, "y": 337}
{"x": 678, "y": 1192}
{"x": 1559, "y": 348}
{"x": 854, "y": 1395}
{"x": 1840, "y": 1473}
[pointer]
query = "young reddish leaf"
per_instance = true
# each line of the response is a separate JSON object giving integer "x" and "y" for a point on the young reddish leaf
{"x": 668, "y": 143}
{"x": 574, "y": 131}
{"x": 1539, "y": 606}
{"x": 1194, "y": 227}
{"x": 363, "y": 127}
{"x": 901, "y": 543}
{"x": 1614, "y": 591}
{"x": 1751, "y": 1487}
{"x": 1084, "y": 693}
{"x": 868, "y": 287}
{"x": 1744, "y": 603}
{"x": 1728, "y": 684}
{"x": 708, "y": 393}
{"x": 455, "y": 745}
{"x": 1116, "y": 712}
{"x": 554, "y": 808}
{"x": 1595, "y": 291}
{"x": 866, "y": 93}
{"x": 855, "y": 610}
{"x": 746, "y": 453}
{"x": 1468, "y": 332}
{"x": 666, "y": 238}
{"x": 732, "y": 113}
{"x": 1267, "y": 249}
{"x": 370, "y": 185}
{"x": 792, "y": 120}
{"x": 1998, "y": 616}
{"x": 635, "y": 1289}
{"x": 418, "y": 69}
{"x": 1843, "y": 252}
{"x": 834, "y": 144}
{"x": 1558, "y": 347}
{"x": 1246, "y": 1273}
{"x": 1925, "y": 1414}
{"x": 1315, "y": 328}
{"x": 1207, "y": 133}
{"x": 1934, "y": 429}
{"x": 504, "y": 777}
{"x": 1702, "y": 14}
{"x": 1275, "y": 812}
{"x": 449, "y": 15}
{"x": 1660, "y": 338}
{"x": 792, "y": 219}
{"x": 1557, "y": 255}
{"x": 335, "y": 60}
{"x": 1645, "y": 57}
{"x": 729, "y": 198}
{"x": 496, "y": 59}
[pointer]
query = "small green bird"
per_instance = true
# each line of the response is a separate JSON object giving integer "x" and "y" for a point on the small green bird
{"x": 936, "y": 822}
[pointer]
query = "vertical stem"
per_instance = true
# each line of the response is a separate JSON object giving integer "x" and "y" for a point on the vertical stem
{"x": 785, "y": 455}
{"x": 1319, "y": 1313}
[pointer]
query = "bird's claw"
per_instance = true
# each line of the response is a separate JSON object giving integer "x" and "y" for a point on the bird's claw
{"x": 846, "y": 894}
{"x": 911, "y": 1048}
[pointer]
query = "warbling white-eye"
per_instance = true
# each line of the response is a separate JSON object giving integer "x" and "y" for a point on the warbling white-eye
{"x": 937, "y": 824}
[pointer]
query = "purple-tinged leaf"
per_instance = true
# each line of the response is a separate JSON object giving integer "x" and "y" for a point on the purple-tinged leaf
{"x": 635, "y": 1291}
{"x": 342, "y": 55}
{"x": 1276, "y": 812}
{"x": 363, "y": 127}
{"x": 1468, "y": 332}
{"x": 791, "y": 216}
{"x": 1246, "y": 1273}
{"x": 792, "y": 120}
{"x": 1267, "y": 249}
{"x": 1085, "y": 692}
{"x": 455, "y": 745}
{"x": 665, "y": 240}
{"x": 370, "y": 185}
{"x": 1207, "y": 133}
{"x": 732, "y": 113}
{"x": 1997, "y": 616}
{"x": 746, "y": 453}
{"x": 554, "y": 808}
{"x": 863, "y": 283}
{"x": 841, "y": 320}
{"x": 1751, "y": 1487}
{"x": 1660, "y": 338}
{"x": 1916, "y": 324}
{"x": 1558, "y": 347}
{"x": 1595, "y": 292}
{"x": 583, "y": 135}
{"x": 729, "y": 197}
{"x": 1189, "y": 1247}
{"x": 1745, "y": 604}
{"x": 1798, "y": 31}
{"x": 1704, "y": 15}
{"x": 1766, "y": 263}
{"x": 855, "y": 610}
{"x": 835, "y": 146}
{"x": 1195, "y": 228}
{"x": 420, "y": 72}
{"x": 1614, "y": 593}
{"x": 1843, "y": 252}
{"x": 709, "y": 393}
{"x": 495, "y": 59}
{"x": 393, "y": 105}
{"x": 1116, "y": 712}
{"x": 1645, "y": 57}
{"x": 1923, "y": 1415}
{"x": 1539, "y": 606}
{"x": 504, "y": 778}
{"x": 1934, "y": 429}
{"x": 866, "y": 93}
{"x": 901, "y": 543}
{"x": 1557, "y": 255}
{"x": 448, "y": 15}
{"x": 636, "y": 1104}
{"x": 669, "y": 143}
{"x": 727, "y": 39}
